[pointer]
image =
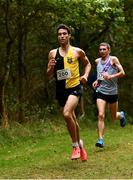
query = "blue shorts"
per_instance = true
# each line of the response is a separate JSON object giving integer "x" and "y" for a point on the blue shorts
{"x": 62, "y": 94}
{"x": 108, "y": 98}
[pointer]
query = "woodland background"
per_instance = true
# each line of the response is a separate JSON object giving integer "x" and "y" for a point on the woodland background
{"x": 28, "y": 33}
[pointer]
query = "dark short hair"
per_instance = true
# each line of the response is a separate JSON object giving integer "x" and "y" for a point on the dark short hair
{"x": 63, "y": 26}
{"x": 105, "y": 44}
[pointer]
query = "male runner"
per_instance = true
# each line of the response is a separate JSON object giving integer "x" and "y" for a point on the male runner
{"x": 109, "y": 70}
{"x": 63, "y": 64}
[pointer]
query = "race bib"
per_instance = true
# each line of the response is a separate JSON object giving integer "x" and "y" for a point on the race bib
{"x": 63, "y": 74}
{"x": 100, "y": 76}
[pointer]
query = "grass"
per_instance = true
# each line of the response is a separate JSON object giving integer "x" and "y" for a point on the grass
{"x": 42, "y": 151}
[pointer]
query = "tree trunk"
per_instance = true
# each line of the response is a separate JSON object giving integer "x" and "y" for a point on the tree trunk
{"x": 20, "y": 78}
{"x": 4, "y": 79}
{"x": 21, "y": 35}
{"x": 5, "y": 76}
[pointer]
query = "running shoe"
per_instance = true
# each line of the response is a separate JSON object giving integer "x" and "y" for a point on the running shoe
{"x": 100, "y": 143}
{"x": 75, "y": 153}
{"x": 83, "y": 154}
{"x": 123, "y": 119}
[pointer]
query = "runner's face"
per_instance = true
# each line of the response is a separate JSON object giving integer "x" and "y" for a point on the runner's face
{"x": 104, "y": 51}
{"x": 63, "y": 36}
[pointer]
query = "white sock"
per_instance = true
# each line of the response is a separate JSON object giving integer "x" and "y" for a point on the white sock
{"x": 81, "y": 143}
{"x": 75, "y": 144}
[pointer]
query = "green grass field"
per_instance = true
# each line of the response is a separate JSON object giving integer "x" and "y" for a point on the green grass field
{"x": 42, "y": 151}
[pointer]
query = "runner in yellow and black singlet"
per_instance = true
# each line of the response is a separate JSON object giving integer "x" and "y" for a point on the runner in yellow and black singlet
{"x": 67, "y": 76}
{"x": 63, "y": 64}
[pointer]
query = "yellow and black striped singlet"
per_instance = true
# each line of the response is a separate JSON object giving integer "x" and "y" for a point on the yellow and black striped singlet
{"x": 70, "y": 63}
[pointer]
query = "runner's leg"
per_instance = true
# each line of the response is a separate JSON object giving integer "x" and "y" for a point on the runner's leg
{"x": 70, "y": 118}
{"x": 101, "y": 105}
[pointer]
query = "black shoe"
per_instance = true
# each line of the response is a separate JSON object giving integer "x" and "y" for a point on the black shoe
{"x": 100, "y": 143}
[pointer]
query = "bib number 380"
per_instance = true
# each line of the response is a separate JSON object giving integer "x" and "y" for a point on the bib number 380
{"x": 63, "y": 74}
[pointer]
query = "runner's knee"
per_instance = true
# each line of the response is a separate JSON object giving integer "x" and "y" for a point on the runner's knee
{"x": 67, "y": 114}
{"x": 101, "y": 116}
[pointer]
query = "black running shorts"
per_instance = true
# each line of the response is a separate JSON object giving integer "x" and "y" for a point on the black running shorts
{"x": 108, "y": 98}
{"x": 62, "y": 95}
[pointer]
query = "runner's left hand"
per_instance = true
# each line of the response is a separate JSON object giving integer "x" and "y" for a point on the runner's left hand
{"x": 83, "y": 79}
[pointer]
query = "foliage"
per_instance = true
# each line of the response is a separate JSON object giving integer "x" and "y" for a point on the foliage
{"x": 91, "y": 22}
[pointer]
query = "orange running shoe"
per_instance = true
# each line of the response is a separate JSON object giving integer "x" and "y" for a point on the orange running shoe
{"x": 83, "y": 154}
{"x": 75, "y": 153}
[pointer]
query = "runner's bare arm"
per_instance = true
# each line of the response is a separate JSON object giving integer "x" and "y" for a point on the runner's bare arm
{"x": 51, "y": 63}
{"x": 117, "y": 63}
{"x": 87, "y": 65}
